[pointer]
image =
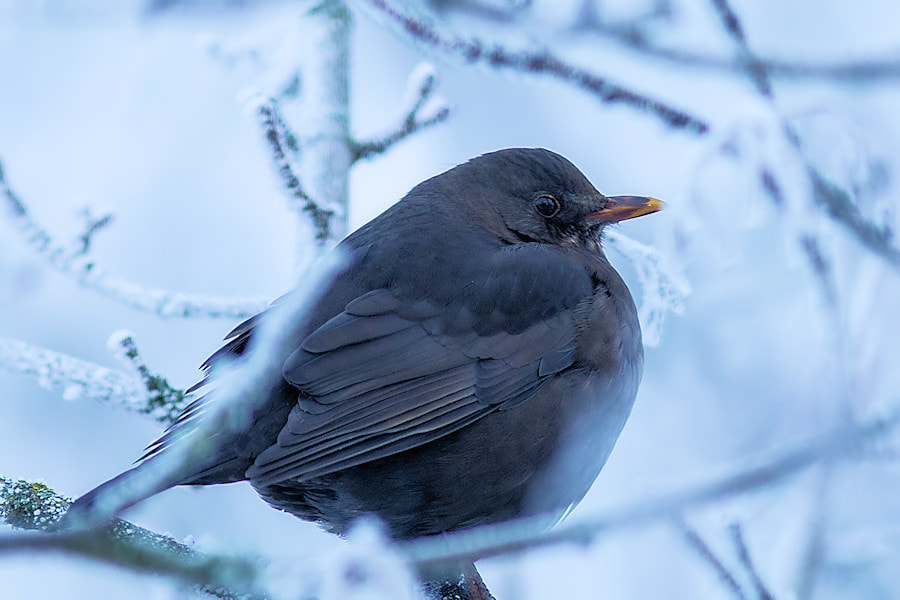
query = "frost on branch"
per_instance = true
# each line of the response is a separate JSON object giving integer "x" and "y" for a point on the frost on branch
{"x": 663, "y": 286}
{"x": 419, "y": 90}
{"x": 77, "y": 263}
{"x": 77, "y": 378}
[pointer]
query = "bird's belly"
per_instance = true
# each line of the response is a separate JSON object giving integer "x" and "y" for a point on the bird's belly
{"x": 540, "y": 456}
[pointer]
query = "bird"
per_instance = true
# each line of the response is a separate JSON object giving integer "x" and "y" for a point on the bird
{"x": 473, "y": 360}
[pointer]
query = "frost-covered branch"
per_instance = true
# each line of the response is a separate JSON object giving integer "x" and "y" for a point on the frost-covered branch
{"x": 77, "y": 264}
{"x": 34, "y": 506}
{"x": 663, "y": 286}
{"x": 846, "y": 442}
{"x": 281, "y": 141}
{"x": 421, "y": 85}
{"x": 699, "y": 545}
{"x": 163, "y": 402}
{"x": 541, "y": 62}
{"x": 79, "y": 379}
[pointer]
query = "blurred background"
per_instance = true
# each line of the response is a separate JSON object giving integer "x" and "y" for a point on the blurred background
{"x": 140, "y": 109}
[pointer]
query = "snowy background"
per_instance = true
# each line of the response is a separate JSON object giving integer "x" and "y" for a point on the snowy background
{"x": 144, "y": 115}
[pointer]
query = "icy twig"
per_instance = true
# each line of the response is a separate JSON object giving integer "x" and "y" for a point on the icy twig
{"x": 77, "y": 378}
{"x": 33, "y": 506}
{"x": 541, "y": 62}
{"x": 517, "y": 536}
{"x": 699, "y": 545}
{"x": 737, "y": 536}
{"x": 163, "y": 402}
{"x": 91, "y": 227}
{"x": 422, "y": 83}
{"x": 663, "y": 285}
{"x": 280, "y": 141}
{"x": 163, "y": 303}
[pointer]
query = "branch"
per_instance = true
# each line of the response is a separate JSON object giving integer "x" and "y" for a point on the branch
{"x": 860, "y": 72}
{"x": 164, "y": 403}
{"x": 524, "y": 534}
{"x": 542, "y": 62}
{"x": 87, "y": 273}
{"x": 737, "y": 537}
{"x": 696, "y": 542}
{"x": 280, "y": 139}
{"x": 34, "y": 506}
{"x": 77, "y": 378}
{"x": 422, "y": 82}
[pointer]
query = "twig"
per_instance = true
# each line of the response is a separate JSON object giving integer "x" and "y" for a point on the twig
{"x": 164, "y": 402}
{"x": 517, "y": 536}
{"x": 743, "y": 552}
{"x": 280, "y": 139}
{"x": 700, "y": 546}
{"x": 421, "y": 84}
{"x": 77, "y": 378}
{"x": 91, "y": 227}
{"x": 543, "y": 62}
{"x": 732, "y": 25}
{"x": 163, "y": 303}
{"x": 34, "y": 506}
{"x": 859, "y": 72}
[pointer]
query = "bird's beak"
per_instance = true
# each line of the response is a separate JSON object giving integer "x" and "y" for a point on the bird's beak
{"x": 619, "y": 208}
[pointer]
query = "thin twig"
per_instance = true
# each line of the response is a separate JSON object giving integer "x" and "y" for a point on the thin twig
{"x": 541, "y": 62}
{"x": 693, "y": 539}
{"x": 90, "y": 275}
{"x": 91, "y": 227}
{"x": 279, "y": 139}
{"x": 737, "y": 536}
{"x": 164, "y": 402}
{"x": 422, "y": 83}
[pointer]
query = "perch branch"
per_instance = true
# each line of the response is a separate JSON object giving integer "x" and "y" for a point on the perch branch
{"x": 542, "y": 62}
{"x": 422, "y": 83}
{"x": 34, "y": 506}
{"x": 163, "y": 303}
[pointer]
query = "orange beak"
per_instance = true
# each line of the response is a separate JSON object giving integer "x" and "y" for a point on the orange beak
{"x": 619, "y": 208}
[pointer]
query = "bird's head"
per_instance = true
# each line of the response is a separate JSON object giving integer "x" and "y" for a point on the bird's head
{"x": 534, "y": 195}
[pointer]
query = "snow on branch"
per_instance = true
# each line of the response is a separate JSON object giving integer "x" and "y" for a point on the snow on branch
{"x": 77, "y": 378}
{"x": 147, "y": 394}
{"x": 542, "y": 62}
{"x": 281, "y": 140}
{"x": 76, "y": 263}
{"x": 421, "y": 85}
{"x": 663, "y": 285}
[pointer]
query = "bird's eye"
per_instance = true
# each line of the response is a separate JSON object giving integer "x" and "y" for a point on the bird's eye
{"x": 546, "y": 205}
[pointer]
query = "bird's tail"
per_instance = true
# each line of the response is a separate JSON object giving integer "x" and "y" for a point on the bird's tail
{"x": 108, "y": 500}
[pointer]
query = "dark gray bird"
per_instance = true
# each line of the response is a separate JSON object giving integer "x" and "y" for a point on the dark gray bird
{"x": 475, "y": 360}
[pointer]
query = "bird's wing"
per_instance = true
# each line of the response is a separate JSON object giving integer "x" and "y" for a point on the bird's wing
{"x": 387, "y": 374}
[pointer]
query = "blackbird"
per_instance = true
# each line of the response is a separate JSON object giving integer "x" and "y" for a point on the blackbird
{"x": 474, "y": 360}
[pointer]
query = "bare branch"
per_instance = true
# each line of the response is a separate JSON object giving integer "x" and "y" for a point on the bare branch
{"x": 421, "y": 85}
{"x": 698, "y": 544}
{"x": 743, "y": 552}
{"x": 863, "y": 71}
{"x": 163, "y": 303}
{"x": 517, "y": 536}
{"x": 280, "y": 140}
{"x": 542, "y": 62}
